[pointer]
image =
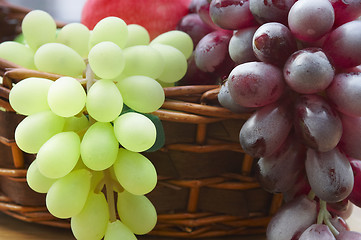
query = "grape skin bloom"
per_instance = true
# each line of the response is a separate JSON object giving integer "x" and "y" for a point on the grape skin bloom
{"x": 255, "y": 84}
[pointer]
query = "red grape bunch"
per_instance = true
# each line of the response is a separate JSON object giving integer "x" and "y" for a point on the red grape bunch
{"x": 296, "y": 67}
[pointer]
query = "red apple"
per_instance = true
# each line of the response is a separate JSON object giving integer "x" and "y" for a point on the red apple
{"x": 157, "y": 16}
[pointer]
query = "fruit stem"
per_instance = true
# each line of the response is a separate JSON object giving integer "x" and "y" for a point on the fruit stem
{"x": 332, "y": 228}
{"x": 117, "y": 187}
{"x": 311, "y": 195}
{"x": 324, "y": 217}
{"x": 321, "y": 214}
{"x": 110, "y": 195}
{"x": 89, "y": 77}
{"x": 99, "y": 186}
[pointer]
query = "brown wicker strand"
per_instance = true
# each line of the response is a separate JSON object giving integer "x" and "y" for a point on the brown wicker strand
{"x": 209, "y": 95}
{"x": 276, "y": 203}
{"x": 13, "y": 172}
{"x": 204, "y": 148}
{"x": 247, "y": 165}
{"x": 213, "y": 111}
{"x": 167, "y": 115}
{"x": 180, "y": 91}
{"x": 15, "y": 75}
{"x": 201, "y": 133}
{"x": 168, "y": 217}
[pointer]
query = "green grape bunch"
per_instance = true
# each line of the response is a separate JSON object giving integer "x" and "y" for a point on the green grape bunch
{"x": 89, "y": 127}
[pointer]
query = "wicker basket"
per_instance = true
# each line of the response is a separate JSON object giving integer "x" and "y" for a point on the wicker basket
{"x": 206, "y": 185}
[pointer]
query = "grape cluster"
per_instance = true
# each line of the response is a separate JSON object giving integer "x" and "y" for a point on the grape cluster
{"x": 296, "y": 66}
{"x": 89, "y": 126}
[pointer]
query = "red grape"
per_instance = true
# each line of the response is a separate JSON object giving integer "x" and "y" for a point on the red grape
{"x": 271, "y": 10}
{"x": 301, "y": 187}
{"x": 231, "y": 14}
{"x": 292, "y": 219}
{"x": 202, "y": 7}
{"x": 355, "y": 196}
{"x": 310, "y": 20}
{"x": 279, "y": 172}
{"x": 343, "y": 45}
{"x": 345, "y": 93}
{"x": 273, "y": 43}
{"x": 329, "y": 174}
{"x": 255, "y": 84}
{"x": 349, "y": 235}
{"x": 308, "y": 71}
{"x": 346, "y": 11}
{"x": 317, "y": 124}
{"x": 192, "y": 7}
{"x": 296, "y": 66}
{"x": 211, "y": 53}
{"x": 351, "y": 141}
{"x": 193, "y": 25}
{"x": 240, "y": 46}
{"x": 266, "y": 130}
{"x": 226, "y": 100}
{"x": 317, "y": 232}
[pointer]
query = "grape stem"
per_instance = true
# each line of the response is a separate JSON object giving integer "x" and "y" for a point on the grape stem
{"x": 90, "y": 80}
{"x": 110, "y": 195}
{"x": 99, "y": 187}
{"x": 324, "y": 217}
{"x": 89, "y": 77}
{"x": 311, "y": 195}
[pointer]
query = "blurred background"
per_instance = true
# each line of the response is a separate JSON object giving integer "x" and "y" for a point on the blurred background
{"x": 61, "y": 10}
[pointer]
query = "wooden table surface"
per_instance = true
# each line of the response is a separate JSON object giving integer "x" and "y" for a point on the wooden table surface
{"x": 13, "y": 229}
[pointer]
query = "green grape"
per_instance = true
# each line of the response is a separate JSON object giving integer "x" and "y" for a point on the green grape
{"x": 178, "y": 39}
{"x": 38, "y": 28}
{"x": 98, "y": 176}
{"x": 99, "y": 147}
{"x": 17, "y": 53}
{"x": 141, "y": 93}
{"x": 135, "y": 172}
{"x": 166, "y": 84}
{"x": 20, "y": 39}
{"x": 30, "y": 95}
{"x": 34, "y": 130}
{"x": 60, "y": 59}
{"x": 137, "y": 35}
{"x": 117, "y": 230}
{"x": 68, "y": 195}
{"x": 111, "y": 29}
{"x": 143, "y": 60}
{"x": 59, "y": 155}
{"x": 104, "y": 101}
{"x": 135, "y": 131}
{"x": 76, "y": 123}
{"x": 66, "y": 97}
{"x": 92, "y": 221}
{"x": 106, "y": 60}
{"x": 76, "y": 36}
{"x": 36, "y": 180}
{"x": 160, "y": 140}
{"x": 136, "y": 212}
{"x": 175, "y": 65}
{"x": 81, "y": 165}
